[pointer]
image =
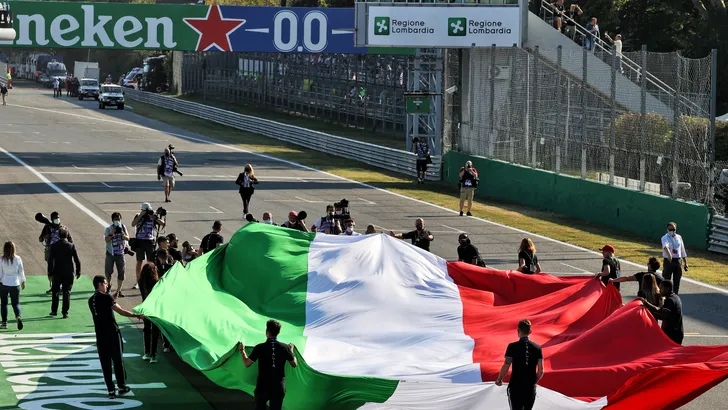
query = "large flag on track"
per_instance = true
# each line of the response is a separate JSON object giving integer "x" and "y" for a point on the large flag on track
{"x": 379, "y": 324}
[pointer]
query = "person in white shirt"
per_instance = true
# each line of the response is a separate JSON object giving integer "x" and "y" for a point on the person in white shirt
{"x": 349, "y": 228}
{"x": 673, "y": 249}
{"x": 12, "y": 280}
{"x": 56, "y": 88}
{"x": 617, "y": 41}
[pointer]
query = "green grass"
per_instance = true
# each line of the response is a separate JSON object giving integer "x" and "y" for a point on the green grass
{"x": 386, "y": 139}
{"x": 704, "y": 266}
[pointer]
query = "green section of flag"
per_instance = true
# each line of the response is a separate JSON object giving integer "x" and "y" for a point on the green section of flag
{"x": 226, "y": 297}
{"x": 156, "y": 386}
{"x": 111, "y": 25}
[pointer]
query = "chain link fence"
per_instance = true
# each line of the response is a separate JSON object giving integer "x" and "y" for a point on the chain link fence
{"x": 365, "y": 91}
{"x": 550, "y": 110}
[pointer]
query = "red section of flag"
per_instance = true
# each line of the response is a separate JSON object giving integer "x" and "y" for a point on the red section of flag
{"x": 593, "y": 346}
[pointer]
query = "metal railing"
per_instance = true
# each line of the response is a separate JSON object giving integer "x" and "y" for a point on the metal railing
{"x": 629, "y": 68}
{"x": 391, "y": 159}
{"x": 718, "y": 240}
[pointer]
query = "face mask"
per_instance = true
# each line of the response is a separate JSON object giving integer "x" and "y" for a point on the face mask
{"x": 268, "y": 222}
{"x": 339, "y": 212}
{"x": 331, "y": 214}
{"x": 672, "y": 233}
{"x": 419, "y": 227}
{"x": 349, "y": 230}
{"x": 56, "y": 221}
{"x": 117, "y": 223}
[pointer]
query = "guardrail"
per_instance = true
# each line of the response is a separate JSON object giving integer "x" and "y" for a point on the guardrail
{"x": 718, "y": 240}
{"x": 381, "y": 157}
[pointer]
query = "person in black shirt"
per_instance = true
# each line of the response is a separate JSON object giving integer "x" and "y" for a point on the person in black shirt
{"x": 61, "y": 258}
{"x": 173, "y": 244}
{"x": 527, "y": 360}
{"x": 467, "y": 252}
{"x": 148, "y": 279}
{"x": 610, "y": 266}
{"x": 653, "y": 265}
{"x": 272, "y": 356}
{"x": 419, "y": 237}
{"x": 213, "y": 239}
{"x": 527, "y": 259}
{"x": 559, "y": 9}
{"x": 670, "y": 313}
{"x": 163, "y": 262}
{"x": 109, "y": 343}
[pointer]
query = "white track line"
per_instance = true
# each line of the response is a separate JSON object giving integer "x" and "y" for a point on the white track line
{"x": 574, "y": 267}
{"x": 295, "y": 164}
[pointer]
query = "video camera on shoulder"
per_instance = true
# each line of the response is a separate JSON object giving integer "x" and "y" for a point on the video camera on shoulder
{"x": 341, "y": 210}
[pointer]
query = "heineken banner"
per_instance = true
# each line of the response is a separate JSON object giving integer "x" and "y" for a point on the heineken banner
{"x": 183, "y": 27}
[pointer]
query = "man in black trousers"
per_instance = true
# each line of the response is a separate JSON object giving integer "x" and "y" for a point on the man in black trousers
{"x": 109, "y": 343}
{"x": 61, "y": 258}
{"x": 527, "y": 360}
{"x": 272, "y": 357}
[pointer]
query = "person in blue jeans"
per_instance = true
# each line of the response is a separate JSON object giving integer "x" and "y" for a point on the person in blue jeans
{"x": 12, "y": 280}
{"x": 593, "y": 34}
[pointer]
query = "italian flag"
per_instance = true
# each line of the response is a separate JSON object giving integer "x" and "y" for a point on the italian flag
{"x": 380, "y": 324}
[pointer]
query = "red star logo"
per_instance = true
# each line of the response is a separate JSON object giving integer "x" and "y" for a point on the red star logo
{"x": 214, "y": 30}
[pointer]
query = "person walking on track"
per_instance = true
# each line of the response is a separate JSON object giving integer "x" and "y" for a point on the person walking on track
{"x": 61, "y": 259}
{"x": 246, "y": 180}
{"x": 109, "y": 343}
{"x": 673, "y": 250}
{"x": 12, "y": 280}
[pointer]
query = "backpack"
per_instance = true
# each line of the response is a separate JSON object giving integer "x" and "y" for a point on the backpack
{"x": 3, "y": 90}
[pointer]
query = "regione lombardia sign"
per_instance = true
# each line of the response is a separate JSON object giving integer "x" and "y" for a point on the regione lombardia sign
{"x": 183, "y": 27}
{"x": 439, "y": 26}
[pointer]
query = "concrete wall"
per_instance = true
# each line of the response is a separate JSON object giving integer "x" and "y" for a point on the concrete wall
{"x": 642, "y": 214}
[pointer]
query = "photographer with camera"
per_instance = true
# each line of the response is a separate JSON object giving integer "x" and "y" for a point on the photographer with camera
{"x": 116, "y": 237}
{"x": 166, "y": 167}
{"x": 61, "y": 260}
{"x": 296, "y": 220}
{"x": 49, "y": 234}
{"x": 145, "y": 223}
{"x": 419, "y": 237}
{"x": 468, "y": 183}
{"x": 328, "y": 224}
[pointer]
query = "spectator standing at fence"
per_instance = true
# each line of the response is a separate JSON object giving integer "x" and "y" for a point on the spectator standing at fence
{"x": 559, "y": 10}
{"x": 527, "y": 259}
{"x": 617, "y": 41}
{"x": 573, "y": 17}
{"x": 12, "y": 281}
{"x": 592, "y": 34}
{"x": 422, "y": 150}
{"x": 610, "y": 266}
{"x": 246, "y": 181}
{"x": 468, "y": 183}
{"x": 673, "y": 250}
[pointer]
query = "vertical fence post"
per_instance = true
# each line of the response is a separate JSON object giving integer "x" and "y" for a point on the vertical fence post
{"x": 584, "y": 71}
{"x": 536, "y": 124}
{"x": 491, "y": 114}
{"x": 515, "y": 75}
{"x": 676, "y": 129}
{"x": 713, "y": 102}
{"x": 527, "y": 119}
{"x": 559, "y": 109}
{"x": 643, "y": 119}
{"x": 612, "y": 114}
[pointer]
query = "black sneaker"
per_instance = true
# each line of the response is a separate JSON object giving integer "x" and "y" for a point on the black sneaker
{"x": 20, "y": 323}
{"x": 469, "y": 214}
{"x": 3, "y": 325}
{"x": 112, "y": 394}
{"x": 124, "y": 390}
{"x": 65, "y": 315}
{"x": 461, "y": 213}
{"x": 49, "y": 291}
{"x": 53, "y": 314}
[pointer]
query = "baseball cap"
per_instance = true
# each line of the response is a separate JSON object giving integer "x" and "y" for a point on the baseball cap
{"x": 146, "y": 206}
{"x": 608, "y": 248}
{"x": 293, "y": 214}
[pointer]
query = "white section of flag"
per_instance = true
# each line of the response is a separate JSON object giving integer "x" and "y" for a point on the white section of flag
{"x": 474, "y": 396}
{"x": 401, "y": 320}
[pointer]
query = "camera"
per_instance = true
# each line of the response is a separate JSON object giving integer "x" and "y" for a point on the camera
{"x": 129, "y": 252}
{"x": 161, "y": 212}
{"x": 301, "y": 216}
{"x": 117, "y": 229}
{"x": 343, "y": 208}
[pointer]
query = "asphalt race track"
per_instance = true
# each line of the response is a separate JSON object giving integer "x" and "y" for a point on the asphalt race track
{"x": 67, "y": 155}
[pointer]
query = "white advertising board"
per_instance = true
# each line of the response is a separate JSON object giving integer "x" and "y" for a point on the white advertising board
{"x": 448, "y": 27}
